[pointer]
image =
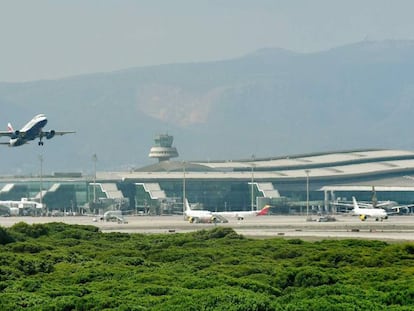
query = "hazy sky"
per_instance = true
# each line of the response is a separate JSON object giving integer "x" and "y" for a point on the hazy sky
{"x": 47, "y": 39}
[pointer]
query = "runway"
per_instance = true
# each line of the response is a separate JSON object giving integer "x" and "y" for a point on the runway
{"x": 396, "y": 228}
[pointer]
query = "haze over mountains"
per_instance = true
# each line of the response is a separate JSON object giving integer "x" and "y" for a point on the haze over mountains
{"x": 272, "y": 102}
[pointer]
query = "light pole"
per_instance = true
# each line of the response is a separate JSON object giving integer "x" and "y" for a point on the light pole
{"x": 410, "y": 178}
{"x": 307, "y": 195}
{"x": 41, "y": 180}
{"x": 184, "y": 189}
{"x": 94, "y": 159}
{"x": 252, "y": 188}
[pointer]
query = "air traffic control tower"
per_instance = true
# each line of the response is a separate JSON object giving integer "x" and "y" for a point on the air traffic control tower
{"x": 163, "y": 149}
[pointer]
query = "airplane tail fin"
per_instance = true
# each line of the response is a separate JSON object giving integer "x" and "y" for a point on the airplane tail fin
{"x": 356, "y": 206}
{"x": 10, "y": 127}
{"x": 186, "y": 205}
{"x": 264, "y": 210}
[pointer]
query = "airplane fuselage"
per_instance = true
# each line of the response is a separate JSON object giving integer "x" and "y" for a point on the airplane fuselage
{"x": 242, "y": 214}
{"x": 363, "y": 213}
{"x": 30, "y": 131}
{"x": 195, "y": 216}
{"x": 199, "y": 216}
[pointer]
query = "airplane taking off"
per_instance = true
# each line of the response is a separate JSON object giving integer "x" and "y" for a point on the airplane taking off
{"x": 363, "y": 213}
{"x": 240, "y": 215}
{"x": 30, "y": 131}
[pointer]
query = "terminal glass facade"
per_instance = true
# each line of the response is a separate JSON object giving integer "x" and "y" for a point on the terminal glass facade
{"x": 59, "y": 196}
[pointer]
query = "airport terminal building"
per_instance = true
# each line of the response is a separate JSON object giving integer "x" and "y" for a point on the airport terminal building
{"x": 287, "y": 183}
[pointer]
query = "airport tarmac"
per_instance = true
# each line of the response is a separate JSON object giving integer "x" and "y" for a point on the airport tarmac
{"x": 395, "y": 228}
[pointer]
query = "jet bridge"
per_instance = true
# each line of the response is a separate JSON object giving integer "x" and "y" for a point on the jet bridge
{"x": 154, "y": 190}
{"x": 111, "y": 191}
{"x": 42, "y": 194}
{"x": 268, "y": 190}
{"x": 14, "y": 191}
{"x": 7, "y": 188}
{"x": 108, "y": 196}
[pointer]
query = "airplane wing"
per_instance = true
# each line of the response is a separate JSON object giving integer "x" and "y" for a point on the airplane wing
{"x": 386, "y": 204}
{"x": 345, "y": 205}
{"x": 6, "y": 133}
{"x": 52, "y": 133}
{"x": 397, "y": 209}
{"x": 64, "y": 132}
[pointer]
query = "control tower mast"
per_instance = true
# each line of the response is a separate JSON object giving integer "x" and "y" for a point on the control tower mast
{"x": 163, "y": 149}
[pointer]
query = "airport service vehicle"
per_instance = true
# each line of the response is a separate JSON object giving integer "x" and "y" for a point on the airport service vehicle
{"x": 30, "y": 131}
{"x": 364, "y": 213}
{"x": 22, "y": 207}
{"x": 327, "y": 218}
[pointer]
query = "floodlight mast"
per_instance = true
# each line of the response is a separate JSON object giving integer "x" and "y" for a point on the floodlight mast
{"x": 41, "y": 180}
{"x": 252, "y": 186}
{"x": 184, "y": 194}
{"x": 307, "y": 195}
{"x": 94, "y": 159}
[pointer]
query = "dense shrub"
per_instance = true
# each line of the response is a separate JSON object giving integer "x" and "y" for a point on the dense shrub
{"x": 28, "y": 247}
{"x": 309, "y": 276}
{"x": 33, "y": 231}
{"x": 217, "y": 233}
{"x": 61, "y": 267}
{"x": 5, "y": 237}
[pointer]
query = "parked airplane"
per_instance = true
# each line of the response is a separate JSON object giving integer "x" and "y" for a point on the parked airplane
{"x": 30, "y": 131}
{"x": 200, "y": 216}
{"x": 363, "y": 213}
{"x": 390, "y": 207}
{"x": 240, "y": 215}
{"x": 375, "y": 203}
{"x": 22, "y": 207}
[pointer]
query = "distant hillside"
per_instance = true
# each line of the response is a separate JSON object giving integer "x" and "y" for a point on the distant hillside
{"x": 271, "y": 102}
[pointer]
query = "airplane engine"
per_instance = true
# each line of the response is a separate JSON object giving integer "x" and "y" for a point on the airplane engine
{"x": 50, "y": 134}
{"x": 363, "y": 217}
{"x": 386, "y": 217}
{"x": 15, "y": 135}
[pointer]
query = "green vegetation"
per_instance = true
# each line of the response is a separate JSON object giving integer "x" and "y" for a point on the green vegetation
{"x": 64, "y": 267}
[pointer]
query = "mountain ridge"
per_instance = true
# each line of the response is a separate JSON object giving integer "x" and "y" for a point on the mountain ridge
{"x": 267, "y": 103}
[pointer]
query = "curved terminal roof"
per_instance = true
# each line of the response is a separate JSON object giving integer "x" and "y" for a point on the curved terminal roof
{"x": 314, "y": 160}
{"x": 334, "y": 165}
{"x": 174, "y": 166}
